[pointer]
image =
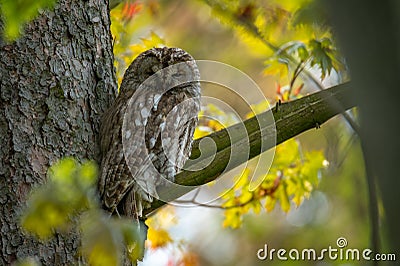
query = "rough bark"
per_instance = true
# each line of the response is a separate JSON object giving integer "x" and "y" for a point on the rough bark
{"x": 55, "y": 81}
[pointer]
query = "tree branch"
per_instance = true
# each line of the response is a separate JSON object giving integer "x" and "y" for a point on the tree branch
{"x": 291, "y": 119}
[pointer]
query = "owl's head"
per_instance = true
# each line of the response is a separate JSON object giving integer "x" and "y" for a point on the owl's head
{"x": 151, "y": 61}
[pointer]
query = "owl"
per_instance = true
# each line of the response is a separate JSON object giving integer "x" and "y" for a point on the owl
{"x": 147, "y": 133}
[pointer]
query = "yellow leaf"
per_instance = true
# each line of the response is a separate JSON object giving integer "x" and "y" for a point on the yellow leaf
{"x": 258, "y": 108}
{"x": 215, "y": 125}
{"x": 101, "y": 239}
{"x": 158, "y": 238}
{"x": 270, "y": 203}
{"x": 256, "y": 206}
{"x": 276, "y": 68}
{"x": 63, "y": 170}
{"x": 100, "y": 255}
{"x": 286, "y": 153}
{"x": 298, "y": 199}
{"x": 283, "y": 198}
{"x": 88, "y": 173}
{"x": 44, "y": 214}
{"x": 233, "y": 218}
{"x": 201, "y": 131}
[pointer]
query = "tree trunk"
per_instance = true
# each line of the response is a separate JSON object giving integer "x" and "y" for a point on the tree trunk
{"x": 370, "y": 38}
{"x": 55, "y": 82}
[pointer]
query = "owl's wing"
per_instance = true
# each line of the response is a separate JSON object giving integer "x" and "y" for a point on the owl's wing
{"x": 149, "y": 141}
{"x": 124, "y": 153}
{"x": 169, "y": 132}
{"x": 114, "y": 179}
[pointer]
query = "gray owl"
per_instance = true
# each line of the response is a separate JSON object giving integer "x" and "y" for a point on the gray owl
{"x": 147, "y": 133}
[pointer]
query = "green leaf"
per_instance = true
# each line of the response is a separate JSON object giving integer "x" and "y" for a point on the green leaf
{"x": 313, "y": 14}
{"x": 302, "y": 52}
{"x": 101, "y": 239}
{"x": 16, "y": 13}
{"x": 63, "y": 171}
{"x": 69, "y": 191}
{"x": 134, "y": 236}
{"x": 312, "y": 166}
{"x": 88, "y": 173}
{"x": 47, "y": 209}
{"x": 322, "y": 55}
{"x": 27, "y": 262}
{"x": 104, "y": 238}
{"x": 286, "y": 154}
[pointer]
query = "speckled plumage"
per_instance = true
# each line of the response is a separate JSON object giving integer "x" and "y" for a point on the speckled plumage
{"x": 160, "y": 115}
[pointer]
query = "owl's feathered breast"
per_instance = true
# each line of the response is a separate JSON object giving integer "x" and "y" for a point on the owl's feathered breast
{"x": 168, "y": 131}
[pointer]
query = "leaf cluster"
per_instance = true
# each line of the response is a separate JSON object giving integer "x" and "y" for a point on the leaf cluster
{"x": 17, "y": 13}
{"x": 291, "y": 35}
{"x": 68, "y": 201}
{"x": 291, "y": 179}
